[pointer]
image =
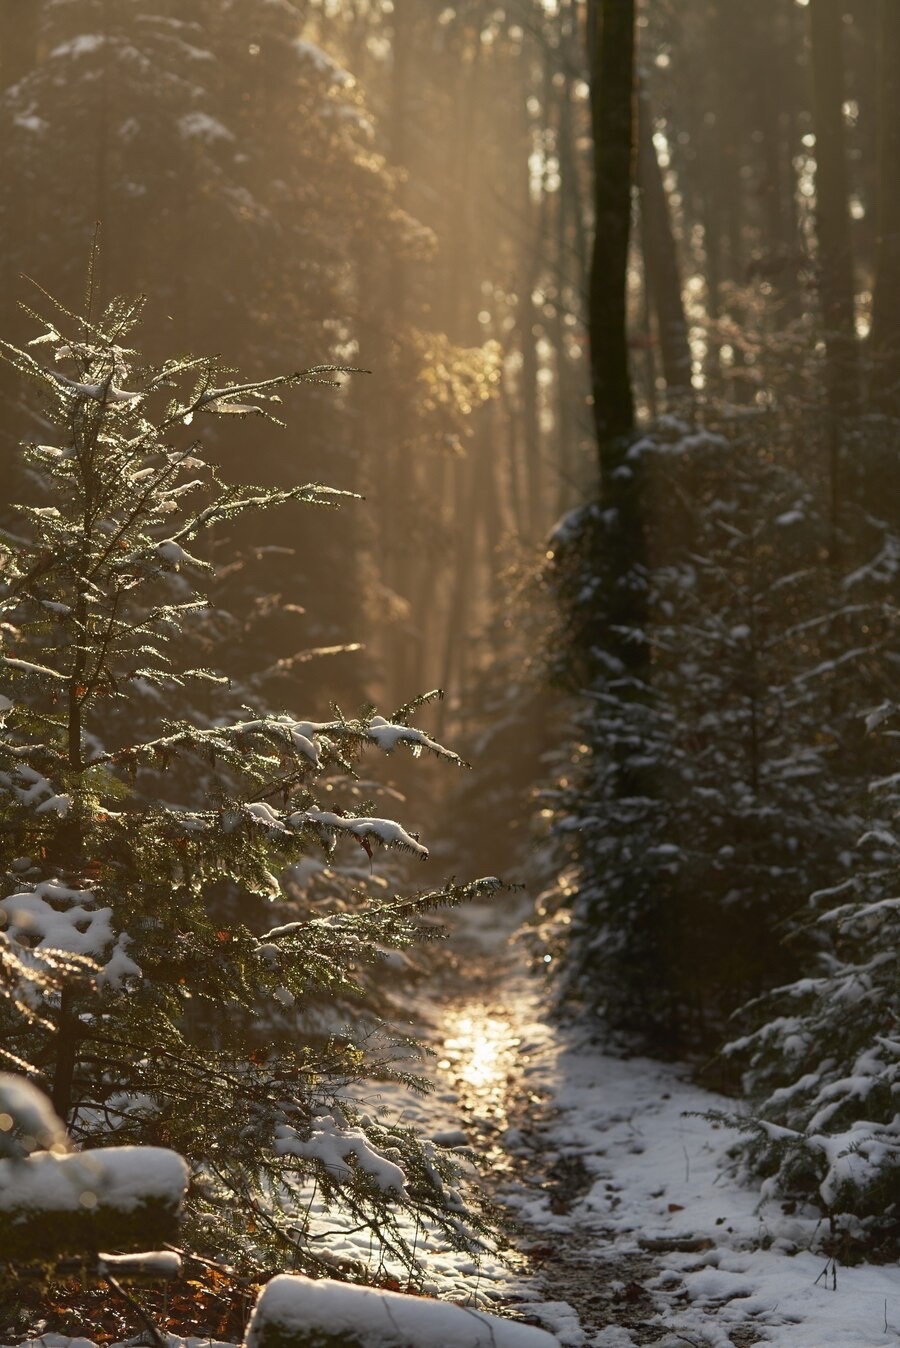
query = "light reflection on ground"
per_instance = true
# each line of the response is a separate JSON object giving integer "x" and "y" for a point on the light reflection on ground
{"x": 480, "y": 1052}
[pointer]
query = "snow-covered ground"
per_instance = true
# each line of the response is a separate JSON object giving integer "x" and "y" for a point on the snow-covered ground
{"x": 631, "y": 1228}
{"x": 613, "y": 1177}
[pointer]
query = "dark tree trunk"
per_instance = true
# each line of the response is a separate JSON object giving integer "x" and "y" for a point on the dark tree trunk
{"x": 661, "y": 258}
{"x": 66, "y": 1044}
{"x": 726, "y": 27}
{"x": 611, "y": 55}
{"x": 19, "y": 27}
{"x": 612, "y": 50}
{"x": 832, "y": 208}
{"x": 886, "y": 315}
{"x": 835, "y": 259}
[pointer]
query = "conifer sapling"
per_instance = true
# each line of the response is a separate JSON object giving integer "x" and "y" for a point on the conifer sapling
{"x": 98, "y": 597}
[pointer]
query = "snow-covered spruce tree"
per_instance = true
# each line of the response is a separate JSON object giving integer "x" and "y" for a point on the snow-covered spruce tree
{"x": 822, "y": 1058}
{"x": 676, "y": 894}
{"x": 98, "y": 582}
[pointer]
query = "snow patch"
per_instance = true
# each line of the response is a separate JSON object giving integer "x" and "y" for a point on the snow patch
{"x": 200, "y": 126}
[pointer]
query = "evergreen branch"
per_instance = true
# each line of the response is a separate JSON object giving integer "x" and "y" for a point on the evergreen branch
{"x": 29, "y": 667}
{"x": 235, "y": 504}
{"x": 137, "y": 511}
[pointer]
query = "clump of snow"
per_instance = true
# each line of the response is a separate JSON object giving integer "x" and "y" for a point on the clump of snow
{"x": 172, "y": 552}
{"x": 122, "y": 1178}
{"x": 387, "y": 736}
{"x": 55, "y": 917}
{"x": 60, "y": 804}
{"x": 27, "y": 1120}
{"x": 107, "y": 392}
{"x": 364, "y": 1317}
{"x": 83, "y": 45}
{"x": 30, "y": 121}
{"x": 387, "y": 831}
{"x": 119, "y": 965}
{"x": 263, "y": 814}
{"x": 149, "y": 1264}
{"x": 52, "y": 916}
{"x": 561, "y": 1319}
{"x": 79, "y": 927}
{"x": 332, "y": 1145}
{"x": 302, "y": 735}
{"x": 323, "y": 63}
{"x": 201, "y": 126}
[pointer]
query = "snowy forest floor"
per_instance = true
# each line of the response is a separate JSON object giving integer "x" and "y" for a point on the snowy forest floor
{"x": 630, "y": 1226}
{"x": 627, "y": 1227}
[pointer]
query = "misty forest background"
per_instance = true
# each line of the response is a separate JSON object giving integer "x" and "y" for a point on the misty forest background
{"x": 626, "y": 278}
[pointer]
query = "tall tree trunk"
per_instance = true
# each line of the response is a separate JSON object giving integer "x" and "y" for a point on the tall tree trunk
{"x": 832, "y": 209}
{"x": 400, "y": 469}
{"x": 19, "y": 27}
{"x": 622, "y": 541}
{"x": 776, "y": 89}
{"x": 564, "y": 431}
{"x": 570, "y": 181}
{"x": 103, "y": 199}
{"x": 730, "y": 112}
{"x": 457, "y": 633}
{"x": 661, "y": 258}
{"x": 886, "y": 315}
{"x": 835, "y": 259}
{"x": 612, "y": 115}
{"x": 531, "y": 263}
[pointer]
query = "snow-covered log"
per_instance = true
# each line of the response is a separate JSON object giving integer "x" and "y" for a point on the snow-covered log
{"x": 294, "y": 1312}
{"x": 115, "y": 1197}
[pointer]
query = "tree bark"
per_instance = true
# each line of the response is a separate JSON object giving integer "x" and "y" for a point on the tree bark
{"x": 612, "y": 50}
{"x": 611, "y": 54}
{"x": 661, "y": 258}
{"x": 886, "y": 314}
{"x": 532, "y": 262}
{"x": 835, "y": 258}
{"x": 832, "y": 210}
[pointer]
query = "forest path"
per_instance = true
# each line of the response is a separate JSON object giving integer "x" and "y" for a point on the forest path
{"x": 630, "y": 1225}
{"x": 498, "y": 1051}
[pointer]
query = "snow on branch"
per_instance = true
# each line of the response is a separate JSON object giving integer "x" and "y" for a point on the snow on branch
{"x": 387, "y": 831}
{"x": 331, "y": 1146}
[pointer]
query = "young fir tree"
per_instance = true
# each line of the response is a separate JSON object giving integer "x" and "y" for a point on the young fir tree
{"x": 99, "y": 586}
{"x": 736, "y": 747}
{"x": 823, "y": 1057}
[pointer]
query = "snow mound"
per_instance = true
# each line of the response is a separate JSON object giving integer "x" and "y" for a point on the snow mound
{"x": 124, "y": 1178}
{"x": 292, "y": 1312}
